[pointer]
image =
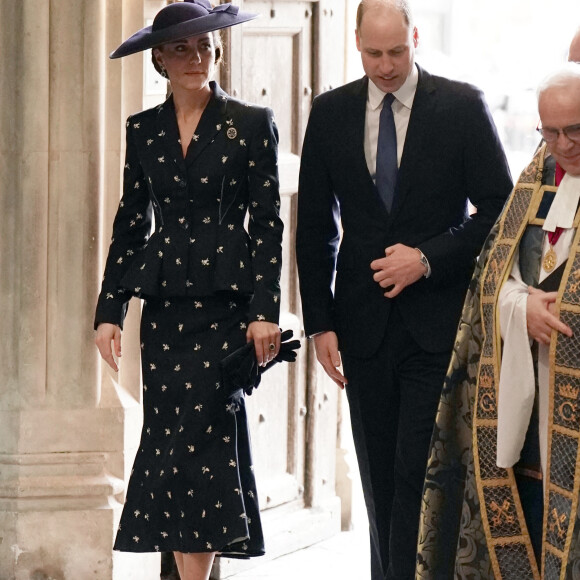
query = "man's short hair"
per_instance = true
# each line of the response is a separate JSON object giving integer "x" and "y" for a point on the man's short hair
{"x": 401, "y": 6}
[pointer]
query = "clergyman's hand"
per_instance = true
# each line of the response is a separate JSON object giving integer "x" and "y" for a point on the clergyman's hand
{"x": 326, "y": 346}
{"x": 541, "y": 318}
{"x": 400, "y": 268}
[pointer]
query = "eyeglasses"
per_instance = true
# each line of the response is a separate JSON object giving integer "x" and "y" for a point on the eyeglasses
{"x": 550, "y": 134}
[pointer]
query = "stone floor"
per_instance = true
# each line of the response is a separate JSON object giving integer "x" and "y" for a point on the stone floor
{"x": 343, "y": 557}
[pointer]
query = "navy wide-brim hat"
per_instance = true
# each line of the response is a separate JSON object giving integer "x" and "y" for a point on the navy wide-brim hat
{"x": 182, "y": 20}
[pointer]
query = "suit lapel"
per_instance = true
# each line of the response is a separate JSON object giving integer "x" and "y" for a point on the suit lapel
{"x": 355, "y": 130}
{"x": 213, "y": 120}
{"x": 424, "y": 105}
{"x": 354, "y": 137}
{"x": 168, "y": 129}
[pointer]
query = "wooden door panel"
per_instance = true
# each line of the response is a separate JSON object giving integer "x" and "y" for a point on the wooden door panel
{"x": 277, "y": 64}
{"x": 276, "y": 58}
{"x": 271, "y": 83}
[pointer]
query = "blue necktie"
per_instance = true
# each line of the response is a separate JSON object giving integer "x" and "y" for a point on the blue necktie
{"x": 386, "y": 173}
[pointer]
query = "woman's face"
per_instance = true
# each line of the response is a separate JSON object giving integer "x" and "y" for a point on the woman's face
{"x": 190, "y": 63}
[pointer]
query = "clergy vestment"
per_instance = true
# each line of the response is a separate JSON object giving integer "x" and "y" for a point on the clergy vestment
{"x": 473, "y": 519}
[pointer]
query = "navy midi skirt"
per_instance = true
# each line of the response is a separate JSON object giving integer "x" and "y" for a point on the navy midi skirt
{"x": 192, "y": 486}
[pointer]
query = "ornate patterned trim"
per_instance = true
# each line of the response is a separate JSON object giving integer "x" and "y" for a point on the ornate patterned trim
{"x": 507, "y": 538}
{"x": 503, "y": 520}
{"x": 563, "y": 483}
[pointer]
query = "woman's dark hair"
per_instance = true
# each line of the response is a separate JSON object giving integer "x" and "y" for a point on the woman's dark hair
{"x": 218, "y": 46}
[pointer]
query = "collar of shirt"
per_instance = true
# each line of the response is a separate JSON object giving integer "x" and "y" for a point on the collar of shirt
{"x": 563, "y": 208}
{"x": 404, "y": 95}
{"x": 402, "y": 114}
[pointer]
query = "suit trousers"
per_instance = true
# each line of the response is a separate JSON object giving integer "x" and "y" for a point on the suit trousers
{"x": 393, "y": 398}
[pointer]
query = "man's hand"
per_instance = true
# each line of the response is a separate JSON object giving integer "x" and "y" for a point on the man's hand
{"x": 541, "y": 318}
{"x": 107, "y": 334}
{"x": 400, "y": 268}
{"x": 326, "y": 346}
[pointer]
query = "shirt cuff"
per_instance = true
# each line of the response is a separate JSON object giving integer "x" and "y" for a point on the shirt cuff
{"x": 423, "y": 259}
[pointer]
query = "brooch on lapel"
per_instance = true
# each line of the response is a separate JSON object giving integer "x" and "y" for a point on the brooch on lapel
{"x": 231, "y": 132}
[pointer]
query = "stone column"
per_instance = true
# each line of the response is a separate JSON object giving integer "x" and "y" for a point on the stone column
{"x": 68, "y": 427}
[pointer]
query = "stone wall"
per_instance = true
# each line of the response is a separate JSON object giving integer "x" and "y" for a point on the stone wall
{"x": 67, "y": 426}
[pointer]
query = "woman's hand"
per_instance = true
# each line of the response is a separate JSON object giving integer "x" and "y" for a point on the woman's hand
{"x": 266, "y": 337}
{"x": 106, "y": 334}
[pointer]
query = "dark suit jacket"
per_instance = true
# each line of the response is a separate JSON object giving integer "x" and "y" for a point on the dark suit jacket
{"x": 200, "y": 246}
{"x": 452, "y": 152}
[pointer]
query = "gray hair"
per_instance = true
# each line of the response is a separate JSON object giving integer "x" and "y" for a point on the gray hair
{"x": 561, "y": 78}
{"x": 401, "y": 6}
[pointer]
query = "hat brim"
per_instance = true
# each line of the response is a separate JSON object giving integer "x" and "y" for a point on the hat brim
{"x": 146, "y": 38}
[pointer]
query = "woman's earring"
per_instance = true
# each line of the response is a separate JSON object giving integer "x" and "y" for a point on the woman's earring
{"x": 163, "y": 72}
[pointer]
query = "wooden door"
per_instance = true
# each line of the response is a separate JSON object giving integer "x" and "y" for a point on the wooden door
{"x": 277, "y": 61}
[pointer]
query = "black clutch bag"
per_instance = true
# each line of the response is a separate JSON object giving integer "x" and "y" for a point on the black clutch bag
{"x": 240, "y": 369}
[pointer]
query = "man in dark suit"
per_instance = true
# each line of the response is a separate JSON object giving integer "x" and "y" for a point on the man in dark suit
{"x": 405, "y": 259}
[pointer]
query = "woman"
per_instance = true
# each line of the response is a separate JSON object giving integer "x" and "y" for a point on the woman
{"x": 199, "y": 163}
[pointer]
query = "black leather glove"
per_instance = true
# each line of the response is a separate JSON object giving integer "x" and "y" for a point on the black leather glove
{"x": 240, "y": 369}
{"x": 287, "y": 350}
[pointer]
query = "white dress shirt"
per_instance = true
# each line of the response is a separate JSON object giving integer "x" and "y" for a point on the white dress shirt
{"x": 401, "y": 112}
{"x": 401, "y": 107}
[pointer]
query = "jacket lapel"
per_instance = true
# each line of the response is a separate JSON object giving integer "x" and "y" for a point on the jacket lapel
{"x": 421, "y": 118}
{"x": 354, "y": 136}
{"x": 359, "y": 132}
{"x": 168, "y": 129}
{"x": 213, "y": 120}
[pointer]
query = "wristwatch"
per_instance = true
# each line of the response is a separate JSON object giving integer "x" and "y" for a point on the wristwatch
{"x": 424, "y": 262}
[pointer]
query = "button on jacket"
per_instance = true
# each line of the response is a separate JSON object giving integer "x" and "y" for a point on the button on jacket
{"x": 200, "y": 245}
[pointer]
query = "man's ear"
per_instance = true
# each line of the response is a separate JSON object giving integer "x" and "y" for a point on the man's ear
{"x": 415, "y": 37}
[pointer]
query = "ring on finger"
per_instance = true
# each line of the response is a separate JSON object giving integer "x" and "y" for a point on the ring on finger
{"x": 272, "y": 346}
